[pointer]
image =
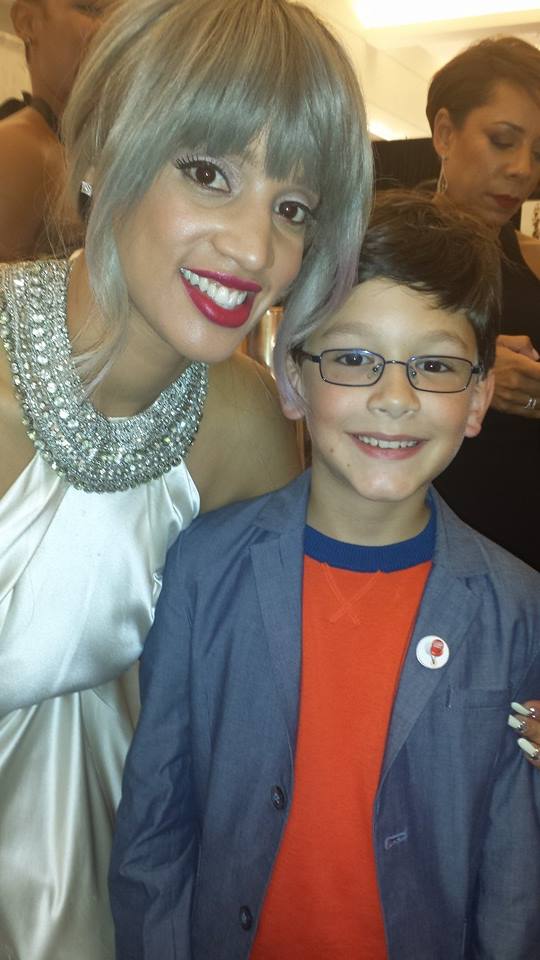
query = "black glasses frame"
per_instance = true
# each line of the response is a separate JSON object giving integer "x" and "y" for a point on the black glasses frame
{"x": 299, "y": 354}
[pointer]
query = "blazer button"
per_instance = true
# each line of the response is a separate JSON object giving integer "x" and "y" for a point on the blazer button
{"x": 278, "y": 798}
{"x": 246, "y": 918}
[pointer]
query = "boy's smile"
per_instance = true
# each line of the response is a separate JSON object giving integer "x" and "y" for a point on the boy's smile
{"x": 376, "y": 448}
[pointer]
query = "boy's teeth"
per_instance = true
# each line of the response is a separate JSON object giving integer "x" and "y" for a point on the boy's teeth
{"x": 388, "y": 444}
{"x": 224, "y": 296}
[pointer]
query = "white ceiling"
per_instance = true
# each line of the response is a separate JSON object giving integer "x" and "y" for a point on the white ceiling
{"x": 439, "y": 39}
{"x": 425, "y": 46}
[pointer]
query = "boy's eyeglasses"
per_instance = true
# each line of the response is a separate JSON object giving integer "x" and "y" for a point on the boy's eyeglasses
{"x": 362, "y": 368}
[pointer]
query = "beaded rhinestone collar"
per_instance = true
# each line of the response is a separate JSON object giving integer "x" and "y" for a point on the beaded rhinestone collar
{"x": 84, "y": 447}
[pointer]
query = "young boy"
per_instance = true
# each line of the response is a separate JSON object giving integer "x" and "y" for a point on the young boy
{"x": 323, "y": 769}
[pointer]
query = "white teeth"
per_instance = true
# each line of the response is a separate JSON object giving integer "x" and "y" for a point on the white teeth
{"x": 224, "y": 296}
{"x": 388, "y": 444}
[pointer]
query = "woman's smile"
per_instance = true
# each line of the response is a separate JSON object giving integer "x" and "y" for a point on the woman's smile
{"x": 222, "y": 299}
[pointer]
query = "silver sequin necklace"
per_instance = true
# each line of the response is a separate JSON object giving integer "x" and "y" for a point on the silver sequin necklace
{"x": 84, "y": 447}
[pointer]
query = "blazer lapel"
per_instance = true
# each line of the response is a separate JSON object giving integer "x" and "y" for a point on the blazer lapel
{"x": 447, "y": 609}
{"x": 278, "y": 560}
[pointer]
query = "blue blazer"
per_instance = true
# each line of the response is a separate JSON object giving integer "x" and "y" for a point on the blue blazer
{"x": 210, "y": 774}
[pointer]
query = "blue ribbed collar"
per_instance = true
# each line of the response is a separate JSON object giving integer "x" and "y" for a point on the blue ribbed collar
{"x": 394, "y": 556}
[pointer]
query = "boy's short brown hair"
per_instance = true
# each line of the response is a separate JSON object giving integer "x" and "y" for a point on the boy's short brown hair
{"x": 428, "y": 244}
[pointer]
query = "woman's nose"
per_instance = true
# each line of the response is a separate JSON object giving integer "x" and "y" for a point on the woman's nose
{"x": 245, "y": 236}
{"x": 522, "y": 163}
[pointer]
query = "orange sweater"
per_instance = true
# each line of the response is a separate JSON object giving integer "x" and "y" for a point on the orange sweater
{"x": 323, "y": 902}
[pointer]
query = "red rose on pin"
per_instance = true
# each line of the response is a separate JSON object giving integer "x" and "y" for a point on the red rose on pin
{"x": 437, "y": 648}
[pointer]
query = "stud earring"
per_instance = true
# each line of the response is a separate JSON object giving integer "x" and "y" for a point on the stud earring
{"x": 86, "y": 191}
{"x": 86, "y": 188}
{"x": 442, "y": 182}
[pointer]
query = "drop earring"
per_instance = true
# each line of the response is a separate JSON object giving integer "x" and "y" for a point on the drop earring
{"x": 442, "y": 182}
{"x": 86, "y": 189}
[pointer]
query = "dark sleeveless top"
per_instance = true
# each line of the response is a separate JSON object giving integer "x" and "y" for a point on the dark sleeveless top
{"x": 494, "y": 482}
{"x": 13, "y": 106}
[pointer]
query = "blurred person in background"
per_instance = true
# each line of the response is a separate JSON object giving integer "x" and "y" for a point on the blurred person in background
{"x": 55, "y": 34}
{"x": 484, "y": 111}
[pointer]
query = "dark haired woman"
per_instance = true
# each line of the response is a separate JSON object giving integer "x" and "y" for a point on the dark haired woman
{"x": 484, "y": 110}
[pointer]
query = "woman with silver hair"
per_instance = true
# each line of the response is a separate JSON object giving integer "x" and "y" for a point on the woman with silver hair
{"x": 221, "y": 148}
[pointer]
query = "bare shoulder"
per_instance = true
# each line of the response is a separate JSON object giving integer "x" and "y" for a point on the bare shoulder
{"x": 245, "y": 446}
{"x": 22, "y": 151}
{"x": 530, "y": 251}
{"x": 31, "y": 163}
{"x": 246, "y": 386}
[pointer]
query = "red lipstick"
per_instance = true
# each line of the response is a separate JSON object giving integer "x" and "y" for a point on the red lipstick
{"x": 505, "y": 201}
{"x": 235, "y": 283}
{"x": 215, "y": 312}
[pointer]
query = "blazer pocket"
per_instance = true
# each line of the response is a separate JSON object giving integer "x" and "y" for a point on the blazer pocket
{"x": 479, "y": 698}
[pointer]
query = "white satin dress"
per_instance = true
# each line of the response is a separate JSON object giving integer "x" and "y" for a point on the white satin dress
{"x": 80, "y": 574}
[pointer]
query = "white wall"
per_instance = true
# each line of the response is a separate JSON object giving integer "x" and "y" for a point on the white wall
{"x": 394, "y": 81}
{"x": 13, "y": 73}
{"x": 395, "y": 93}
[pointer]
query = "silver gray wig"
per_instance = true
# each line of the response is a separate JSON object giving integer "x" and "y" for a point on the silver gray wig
{"x": 165, "y": 76}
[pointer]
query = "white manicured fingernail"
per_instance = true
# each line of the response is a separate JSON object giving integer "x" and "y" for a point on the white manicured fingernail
{"x": 519, "y": 708}
{"x": 528, "y": 748}
{"x": 515, "y": 723}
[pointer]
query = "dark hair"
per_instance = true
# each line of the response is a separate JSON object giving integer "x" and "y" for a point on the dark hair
{"x": 467, "y": 81}
{"x": 428, "y": 244}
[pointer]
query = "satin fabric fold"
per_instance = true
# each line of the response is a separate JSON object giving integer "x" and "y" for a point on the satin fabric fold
{"x": 80, "y": 574}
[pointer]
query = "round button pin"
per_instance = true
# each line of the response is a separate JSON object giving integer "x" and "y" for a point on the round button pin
{"x": 432, "y": 652}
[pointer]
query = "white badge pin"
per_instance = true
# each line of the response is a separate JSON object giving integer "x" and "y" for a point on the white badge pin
{"x": 432, "y": 652}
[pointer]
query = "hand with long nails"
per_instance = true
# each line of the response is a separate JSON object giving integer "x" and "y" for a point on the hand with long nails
{"x": 526, "y": 722}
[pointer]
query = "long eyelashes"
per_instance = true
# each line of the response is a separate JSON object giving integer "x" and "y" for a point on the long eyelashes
{"x": 203, "y": 171}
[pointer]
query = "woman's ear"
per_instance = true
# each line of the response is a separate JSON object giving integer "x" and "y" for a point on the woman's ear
{"x": 443, "y": 128}
{"x": 293, "y": 407}
{"x": 480, "y": 400}
{"x": 23, "y": 18}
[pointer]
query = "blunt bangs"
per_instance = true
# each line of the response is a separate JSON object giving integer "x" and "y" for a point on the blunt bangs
{"x": 245, "y": 74}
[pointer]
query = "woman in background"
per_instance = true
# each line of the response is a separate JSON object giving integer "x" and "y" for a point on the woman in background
{"x": 484, "y": 110}
{"x": 223, "y": 146}
{"x": 55, "y": 34}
